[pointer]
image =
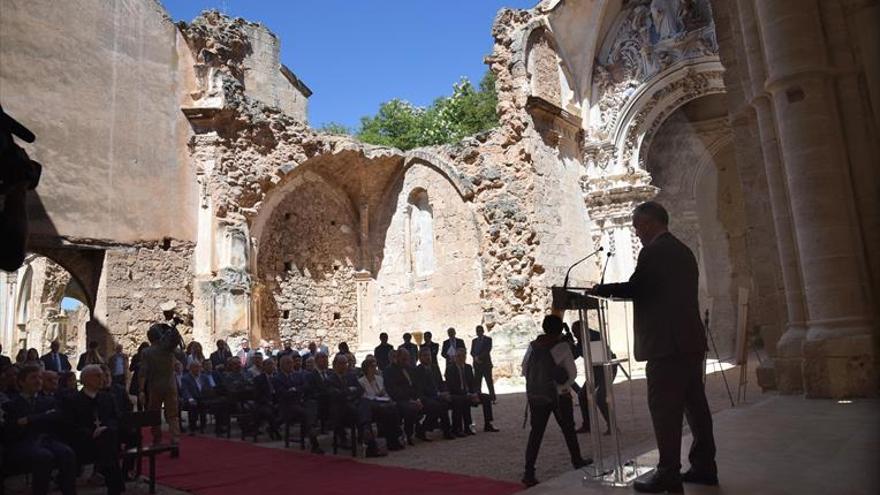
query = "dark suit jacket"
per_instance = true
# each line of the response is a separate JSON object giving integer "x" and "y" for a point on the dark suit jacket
{"x": 5, "y": 362}
{"x": 453, "y": 380}
{"x": 80, "y": 412}
{"x": 435, "y": 350}
{"x": 219, "y": 358}
{"x": 265, "y": 392}
{"x": 381, "y": 353}
{"x": 343, "y": 389}
{"x": 398, "y": 387}
{"x": 459, "y": 344}
{"x": 189, "y": 389}
{"x": 49, "y": 362}
{"x": 666, "y": 311}
{"x": 482, "y": 350}
{"x": 43, "y": 417}
{"x": 429, "y": 381}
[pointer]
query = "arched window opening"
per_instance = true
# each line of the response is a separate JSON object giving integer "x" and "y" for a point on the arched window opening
{"x": 421, "y": 233}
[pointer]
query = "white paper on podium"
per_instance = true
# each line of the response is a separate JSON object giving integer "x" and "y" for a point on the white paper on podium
{"x": 597, "y": 352}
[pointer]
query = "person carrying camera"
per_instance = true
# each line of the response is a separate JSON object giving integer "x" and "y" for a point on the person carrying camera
{"x": 158, "y": 385}
{"x": 550, "y": 370}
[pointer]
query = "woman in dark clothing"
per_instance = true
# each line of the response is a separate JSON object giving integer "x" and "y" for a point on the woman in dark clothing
{"x": 135, "y": 367}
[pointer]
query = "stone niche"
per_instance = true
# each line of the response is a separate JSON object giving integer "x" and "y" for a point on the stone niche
{"x": 428, "y": 274}
{"x": 307, "y": 261}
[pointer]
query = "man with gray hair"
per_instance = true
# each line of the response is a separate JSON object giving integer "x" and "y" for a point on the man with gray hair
{"x": 669, "y": 335}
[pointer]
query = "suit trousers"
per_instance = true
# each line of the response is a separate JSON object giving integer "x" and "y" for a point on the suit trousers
{"x": 156, "y": 397}
{"x": 675, "y": 389}
{"x": 484, "y": 372}
{"x": 41, "y": 457}
{"x": 563, "y": 411}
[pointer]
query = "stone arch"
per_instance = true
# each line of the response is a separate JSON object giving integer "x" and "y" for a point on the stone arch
{"x": 307, "y": 250}
{"x": 692, "y": 164}
{"x": 442, "y": 167}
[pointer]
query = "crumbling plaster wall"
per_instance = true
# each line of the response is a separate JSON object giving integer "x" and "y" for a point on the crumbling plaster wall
{"x": 101, "y": 84}
{"x": 448, "y": 296}
{"x": 308, "y": 257}
{"x": 135, "y": 282}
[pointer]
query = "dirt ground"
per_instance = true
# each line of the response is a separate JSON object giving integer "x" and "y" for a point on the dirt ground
{"x": 501, "y": 455}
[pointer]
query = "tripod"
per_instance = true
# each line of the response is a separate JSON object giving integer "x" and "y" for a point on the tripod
{"x": 717, "y": 358}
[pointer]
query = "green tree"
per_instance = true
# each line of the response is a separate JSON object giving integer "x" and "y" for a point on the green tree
{"x": 335, "y": 128}
{"x": 449, "y": 119}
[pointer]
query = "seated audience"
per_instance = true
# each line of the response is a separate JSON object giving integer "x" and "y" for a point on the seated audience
{"x": 266, "y": 402}
{"x": 296, "y": 390}
{"x": 195, "y": 389}
{"x": 30, "y": 436}
{"x": 93, "y": 423}
{"x": 50, "y": 383}
{"x": 346, "y": 407}
{"x": 433, "y": 395}
{"x": 464, "y": 391}
{"x": 382, "y": 408}
{"x": 401, "y": 386}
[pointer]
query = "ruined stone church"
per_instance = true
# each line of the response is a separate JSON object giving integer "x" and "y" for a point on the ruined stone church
{"x": 180, "y": 169}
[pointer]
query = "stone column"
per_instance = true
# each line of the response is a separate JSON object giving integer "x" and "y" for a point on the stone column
{"x": 363, "y": 283}
{"x": 788, "y": 358}
{"x": 837, "y": 350}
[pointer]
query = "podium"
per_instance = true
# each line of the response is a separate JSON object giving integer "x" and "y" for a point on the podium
{"x": 618, "y": 472}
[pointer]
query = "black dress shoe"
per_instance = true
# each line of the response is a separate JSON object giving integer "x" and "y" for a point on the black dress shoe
{"x": 491, "y": 429}
{"x": 659, "y": 482}
{"x": 421, "y": 436}
{"x": 700, "y": 477}
{"x": 529, "y": 480}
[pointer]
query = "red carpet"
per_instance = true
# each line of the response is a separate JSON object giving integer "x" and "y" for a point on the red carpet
{"x": 220, "y": 467}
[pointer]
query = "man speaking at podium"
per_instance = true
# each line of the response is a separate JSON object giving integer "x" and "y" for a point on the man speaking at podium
{"x": 670, "y": 336}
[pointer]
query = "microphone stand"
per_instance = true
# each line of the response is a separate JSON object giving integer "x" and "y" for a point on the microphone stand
{"x": 607, "y": 259}
{"x": 578, "y": 262}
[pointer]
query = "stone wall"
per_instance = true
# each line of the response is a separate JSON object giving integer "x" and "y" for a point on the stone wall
{"x": 308, "y": 256}
{"x": 101, "y": 84}
{"x": 136, "y": 281}
{"x": 443, "y": 288}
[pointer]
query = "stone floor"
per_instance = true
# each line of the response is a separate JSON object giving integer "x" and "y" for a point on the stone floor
{"x": 781, "y": 445}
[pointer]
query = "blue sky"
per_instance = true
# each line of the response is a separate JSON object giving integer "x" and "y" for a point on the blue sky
{"x": 355, "y": 54}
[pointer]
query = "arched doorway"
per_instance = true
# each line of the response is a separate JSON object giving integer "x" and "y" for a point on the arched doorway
{"x": 40, "y": 303}
{"x": 692, "y": 163}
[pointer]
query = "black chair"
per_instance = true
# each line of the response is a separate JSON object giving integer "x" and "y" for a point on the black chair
{"x": 241, "y": 405}
{"x": 302, "y": 433}
{"x": 135, "y": 422}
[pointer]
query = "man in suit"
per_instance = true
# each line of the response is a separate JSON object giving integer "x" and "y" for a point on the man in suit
{"x": 5, "y": 362}
{"x": 194, "y": 390}
{"x": 347, "y": 407}
{"x": 463, "y": 388}
{"x": 432, "y": 346}
{"x": 118, "y": 363}
{"x": 409, "y": 347}
{"x": 481, "y": 352}
{"x": 33, "y": 422}
{"x": 221, "y": 355}
{"x": 54, "y": 360}
{"x": 267, "y": 399}
{"x": 669, "y": 335}
{"x": 433, "y": 395}
{"x": 297, "y": 397}
{"x": 401, "y": 386}
{"x": 381, "y": 352}
{"x": 451, "y": 346}
{"x": 93, "y": 427}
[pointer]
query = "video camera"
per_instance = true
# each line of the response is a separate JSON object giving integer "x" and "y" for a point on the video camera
{"x": 15, "y": 164}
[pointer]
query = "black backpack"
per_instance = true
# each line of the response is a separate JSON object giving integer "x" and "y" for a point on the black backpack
{"x": 542, "y": 376}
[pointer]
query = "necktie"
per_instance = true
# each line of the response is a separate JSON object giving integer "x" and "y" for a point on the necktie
{"x": 57, "y": 362}
{"x": 461, "y": 377}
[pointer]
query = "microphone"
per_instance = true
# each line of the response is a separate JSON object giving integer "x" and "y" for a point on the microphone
{"x": 576, "y": 263}
{"x": 610, "y": 253}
